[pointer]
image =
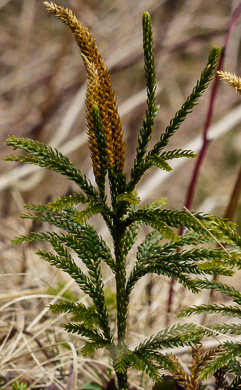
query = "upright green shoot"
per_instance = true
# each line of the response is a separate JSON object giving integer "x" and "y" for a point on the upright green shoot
{"x": 162, "y": 252}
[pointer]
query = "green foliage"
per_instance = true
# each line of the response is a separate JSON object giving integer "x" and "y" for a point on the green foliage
{"x": 46, "y": 157}
{"x": 177, "y": 153}
{"x": 151, "y": 111}
{"x": 230, "y": 351}
{"x": 191, "y": 101}
{"x": 130, "y": 237}
{"x": 80, "y": 312}
{"x": 92, "y": 209}
{"x": 224, "y": 310}
{"x": 226, "y": 359}
{"x": 142, "y": 164}
{"x": 19, "y": 386}
{"x": 162, "y": 252}
{"x": 234, "y": 367}
{"x": 67, "y": 202}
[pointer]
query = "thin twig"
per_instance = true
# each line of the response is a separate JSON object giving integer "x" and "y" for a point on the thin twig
{"x": 234, "y": 200}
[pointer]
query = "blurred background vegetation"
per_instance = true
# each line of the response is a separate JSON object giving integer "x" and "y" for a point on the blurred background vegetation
{"x": 42, "y": 89}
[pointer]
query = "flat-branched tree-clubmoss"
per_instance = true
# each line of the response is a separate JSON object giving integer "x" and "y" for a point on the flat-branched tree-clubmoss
{"x": 176, "y": 257}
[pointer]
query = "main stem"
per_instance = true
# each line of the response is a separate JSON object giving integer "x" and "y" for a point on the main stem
{"x": 121, "y": 299}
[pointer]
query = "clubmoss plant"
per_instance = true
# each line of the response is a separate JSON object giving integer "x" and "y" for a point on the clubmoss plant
{"x": 175, "y": 257}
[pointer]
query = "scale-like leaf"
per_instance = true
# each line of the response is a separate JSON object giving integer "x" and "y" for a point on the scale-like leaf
{"x": 67, "y": 202}
{"x": 159, "y": 162}
{"x": 177, "y": 153}
{"x": 83, "y": 216}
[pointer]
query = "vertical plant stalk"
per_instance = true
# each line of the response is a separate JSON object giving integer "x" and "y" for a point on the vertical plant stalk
{"x": 151, "y": 110}
{"x": 121, "y": 298}
{"x": 233, "y": 203}
{"x": 206, "y": 139}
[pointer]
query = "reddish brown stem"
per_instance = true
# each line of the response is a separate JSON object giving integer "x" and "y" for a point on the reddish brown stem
{"x": 229, "y": 214}
{"x": 233, "y": 203}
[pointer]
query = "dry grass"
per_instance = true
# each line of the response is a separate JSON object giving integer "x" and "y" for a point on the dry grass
{"x": 42, "y": 89}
